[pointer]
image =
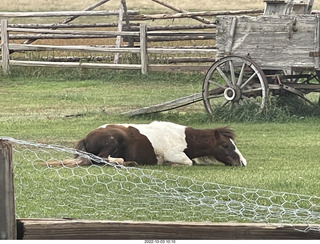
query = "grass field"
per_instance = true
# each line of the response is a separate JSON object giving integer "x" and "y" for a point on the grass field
{"x": 60, "y": 108}
{"x": 57, "y": 106}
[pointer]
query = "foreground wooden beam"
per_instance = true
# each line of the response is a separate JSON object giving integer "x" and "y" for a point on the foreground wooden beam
{"x": 111, "y": 230}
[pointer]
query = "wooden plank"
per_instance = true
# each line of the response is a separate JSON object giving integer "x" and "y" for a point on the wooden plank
{"x": 317, "y": 44}
{"x": 273, "y": 42}
{"x": 7, "y": 210}
{"x": 128, "y": 230}
{"x": 176, "y": 103}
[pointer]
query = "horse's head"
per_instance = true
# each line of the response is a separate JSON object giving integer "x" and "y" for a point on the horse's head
{"x": 225, "y": 149}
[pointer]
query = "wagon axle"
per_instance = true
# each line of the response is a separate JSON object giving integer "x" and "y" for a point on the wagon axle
{"x": 232, "y": 93}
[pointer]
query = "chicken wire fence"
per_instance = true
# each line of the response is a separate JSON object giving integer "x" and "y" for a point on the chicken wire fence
{"x": 44, "y": 189}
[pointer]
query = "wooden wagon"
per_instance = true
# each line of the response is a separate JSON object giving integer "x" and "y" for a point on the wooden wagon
{"x": 276, "y": 53}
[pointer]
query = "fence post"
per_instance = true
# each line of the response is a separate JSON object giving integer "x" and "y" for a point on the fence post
{"x": 143, "y": 49}
{"x": 8, "y": 230}
{"x": 5, "y": 46}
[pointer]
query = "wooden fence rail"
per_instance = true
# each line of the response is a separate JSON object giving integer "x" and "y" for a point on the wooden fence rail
{"x": 143, "y": 36}
{"x": 6, "y": 48}
{"x": 62, "y": 14}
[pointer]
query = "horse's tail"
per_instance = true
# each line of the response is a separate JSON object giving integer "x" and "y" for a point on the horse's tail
{"x": 80, "y": 146}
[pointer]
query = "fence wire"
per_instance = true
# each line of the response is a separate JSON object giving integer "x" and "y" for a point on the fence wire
{"x": 47, "y": 187}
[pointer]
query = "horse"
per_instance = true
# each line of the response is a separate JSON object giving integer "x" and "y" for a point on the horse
{"x": 160, "y": 143}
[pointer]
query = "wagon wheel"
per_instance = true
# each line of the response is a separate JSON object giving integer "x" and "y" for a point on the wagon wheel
{"x": 232, "y": 81}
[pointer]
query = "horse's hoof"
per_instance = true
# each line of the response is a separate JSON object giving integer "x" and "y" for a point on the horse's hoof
{"x": 130, "y": 163}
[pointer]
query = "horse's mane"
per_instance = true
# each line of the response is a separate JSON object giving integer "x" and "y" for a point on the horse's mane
{"x": 226, "y": 131}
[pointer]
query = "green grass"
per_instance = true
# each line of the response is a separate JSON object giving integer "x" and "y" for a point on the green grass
{"x": 61, "y": 106}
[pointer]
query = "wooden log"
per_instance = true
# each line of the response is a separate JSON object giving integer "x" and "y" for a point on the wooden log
{"x": 74, "y": 65}
{"x": 28, "y": 47}
{"x": 118, "y": 38}
{"x": 128, "y": 230}
{"x": 8, "y": 230}
{"x": 181, "y": 33}
{"x": 5, "y": 47}
{"x": 126, "y": 18}
{"x": 192, "y": 14}
{"x": 206, "y": 21}
{"x": 176, "y": 68}
{"x": 176, "y": 103}
{"x": 170, "y": 60}
{"x": 62, "y": 14}
{"x": 155, "y": 50}
{"x": 75, "y": 32}
{"x": 175, "y": 27}
{"x": 143, "y": 49}
{"x": 60, "y": 26}
{"x": 57, "y": 36}
{"x": 175, "y": 60}
{"x": 95, "y": 5}
{"x": 178, "y": 38}
{"x": 71, "y": 18}
{"x": 181, "y": 51}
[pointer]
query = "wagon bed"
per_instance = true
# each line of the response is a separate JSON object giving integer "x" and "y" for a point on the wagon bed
{"x": 273, "y": 54}
{"x": 273, "y": 42}
{"x": 276, "y": 53}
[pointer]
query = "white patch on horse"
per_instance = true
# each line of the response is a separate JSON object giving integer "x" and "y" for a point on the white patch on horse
{"x": 243, "y": 161}
{"x": 167, "y": 139}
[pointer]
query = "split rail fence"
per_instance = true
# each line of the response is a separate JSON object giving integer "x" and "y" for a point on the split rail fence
{"x": 139, "y": 34}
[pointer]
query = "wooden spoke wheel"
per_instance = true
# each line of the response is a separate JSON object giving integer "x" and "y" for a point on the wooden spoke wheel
{"x": 233, "y": 81}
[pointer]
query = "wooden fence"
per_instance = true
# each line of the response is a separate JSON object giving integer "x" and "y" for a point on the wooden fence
{"x": 140, "y": 34}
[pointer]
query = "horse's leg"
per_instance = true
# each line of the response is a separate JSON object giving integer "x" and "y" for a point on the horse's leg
{"x": 177, "y": 158}
{"x": 118, "y": 161}
{"x": 115, "y": 160}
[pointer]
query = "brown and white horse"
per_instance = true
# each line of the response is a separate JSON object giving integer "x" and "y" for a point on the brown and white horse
{"x": 160, "y": 143}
